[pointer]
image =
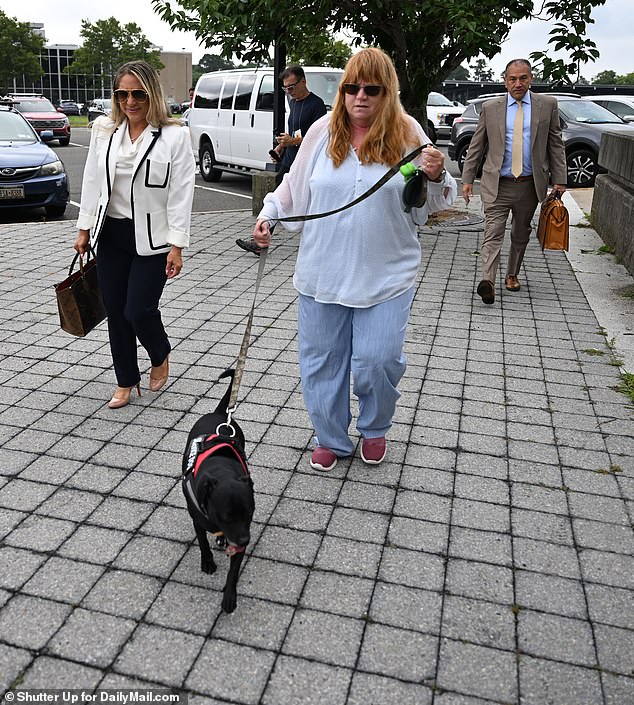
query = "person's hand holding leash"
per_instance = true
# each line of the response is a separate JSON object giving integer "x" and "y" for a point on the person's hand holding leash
{"x": 262, "y": 233}
{"x": 433, "y": 162}
{"x": 174, "y": 262}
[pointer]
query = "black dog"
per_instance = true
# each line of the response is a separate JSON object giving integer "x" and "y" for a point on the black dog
{"x": 219, "y": 491}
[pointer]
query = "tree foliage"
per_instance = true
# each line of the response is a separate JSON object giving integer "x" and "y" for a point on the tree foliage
{"x": 605, "y": 78}
{"x": 569, "y": 33}
{"x": 20, "y": 50}
{"x": 107, "y": 45}
{"x": 319, "y": 50}
{"x": 613, "y": 79}
{"x": 209, "y": 62}
{"x": 481, "y": 71}
{"x": 213, "y": 62}
{"x": 427, "y": 39}
{"x": 460, "y": 74}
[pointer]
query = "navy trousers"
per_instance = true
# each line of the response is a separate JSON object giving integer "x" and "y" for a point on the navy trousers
{"x": 131, "y": 287}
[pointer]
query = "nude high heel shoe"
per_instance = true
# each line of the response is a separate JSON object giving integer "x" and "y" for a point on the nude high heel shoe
{"x": 159, "y": 375}
{"x": 121, "y": 397}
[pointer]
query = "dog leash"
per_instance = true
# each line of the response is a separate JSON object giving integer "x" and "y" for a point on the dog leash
{"x": 383, "y": 180}
{"x": 246, "y": 338}
{"x": 244, "y": 347}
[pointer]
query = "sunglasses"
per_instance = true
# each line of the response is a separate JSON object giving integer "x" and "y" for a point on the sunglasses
{"x": 138, "y": 94}
{"x": 291, "y": 86}
{"x": 354, "y": 88}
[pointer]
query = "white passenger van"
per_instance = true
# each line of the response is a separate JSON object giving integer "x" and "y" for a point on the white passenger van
{"x": 231, "y": 120}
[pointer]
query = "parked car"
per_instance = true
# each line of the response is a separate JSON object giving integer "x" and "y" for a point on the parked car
{"x": 231, "y": 121}
{"x": 68, "y": 107}
{"x": 441, "y": 112}
{"x": 39, "y": 111}
{"x": 621, "y": 105}
{"x": 582, "y": 123}
{"x": 31, "y": 174}
{"x": 99, "y": 106}
{"x": 173, "y": 106}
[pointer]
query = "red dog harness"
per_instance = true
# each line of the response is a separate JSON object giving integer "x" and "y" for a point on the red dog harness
{"x": 202, "y": 448}
{"x": 226, "y": 442}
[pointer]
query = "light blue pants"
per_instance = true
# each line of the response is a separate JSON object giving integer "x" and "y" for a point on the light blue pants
{"x": 336, "y": 340}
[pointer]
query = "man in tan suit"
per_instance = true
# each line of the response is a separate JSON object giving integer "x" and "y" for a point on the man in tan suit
{"x": 520, "y": 135}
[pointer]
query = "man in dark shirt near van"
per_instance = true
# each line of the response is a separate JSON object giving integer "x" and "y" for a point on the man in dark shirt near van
{"x": 305, "y": 109}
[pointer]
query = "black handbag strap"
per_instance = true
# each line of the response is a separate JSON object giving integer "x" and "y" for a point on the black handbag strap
{"x": 89, "y": 251}
{"x": 383, "y": 180}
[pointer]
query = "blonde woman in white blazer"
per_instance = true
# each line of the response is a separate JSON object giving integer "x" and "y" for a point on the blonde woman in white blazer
{"x": 136, "y": 201}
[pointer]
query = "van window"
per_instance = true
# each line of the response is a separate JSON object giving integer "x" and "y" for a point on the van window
{"x": 265, "y": 94}
{"x": 243, "y": 94}
{"x": 208, "y": 92}
{"x": 325, "y": 85}
{"x": 226, "y": 102}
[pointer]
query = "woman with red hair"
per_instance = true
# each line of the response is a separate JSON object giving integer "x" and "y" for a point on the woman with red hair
{"x": 355, "y": 270}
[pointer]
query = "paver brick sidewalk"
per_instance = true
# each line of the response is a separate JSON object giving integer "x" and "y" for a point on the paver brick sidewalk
{"x": 490, "y": 560}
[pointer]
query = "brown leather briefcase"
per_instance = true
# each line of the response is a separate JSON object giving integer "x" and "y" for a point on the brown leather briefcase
{"x": 552, "y": 231}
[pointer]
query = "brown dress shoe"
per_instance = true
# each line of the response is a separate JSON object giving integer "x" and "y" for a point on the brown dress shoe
{"x": 159, "y": 375}
{"x": 511, "y": 282}
{"x": 486, "y": 291}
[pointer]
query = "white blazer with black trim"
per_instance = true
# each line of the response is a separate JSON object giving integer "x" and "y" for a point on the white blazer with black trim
{"x": 162, "y": 185}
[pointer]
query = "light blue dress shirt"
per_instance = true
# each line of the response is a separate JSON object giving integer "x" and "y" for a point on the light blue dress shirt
{"x": 511, "y": 111}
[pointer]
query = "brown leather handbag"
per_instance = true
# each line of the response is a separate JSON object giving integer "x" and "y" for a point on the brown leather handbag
{"x": 552, "y": 231}
{"x": 79, "y": 301}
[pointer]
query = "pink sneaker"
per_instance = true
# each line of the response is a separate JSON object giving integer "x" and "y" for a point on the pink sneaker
{"x": 373, "y": 450}
{"x": 323, "y": 459}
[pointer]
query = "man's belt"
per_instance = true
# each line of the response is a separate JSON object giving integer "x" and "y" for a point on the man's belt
{"x": 518, "y": 178}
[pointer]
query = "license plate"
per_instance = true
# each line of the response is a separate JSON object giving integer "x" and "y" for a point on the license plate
{"x": 11, "y": 192}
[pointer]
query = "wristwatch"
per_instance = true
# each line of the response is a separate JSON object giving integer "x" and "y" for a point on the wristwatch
{"x": 441, "y": 177}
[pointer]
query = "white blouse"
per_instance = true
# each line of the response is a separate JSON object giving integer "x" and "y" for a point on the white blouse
{"x": 362, "y": 256}
{"x": 120, "y": 199}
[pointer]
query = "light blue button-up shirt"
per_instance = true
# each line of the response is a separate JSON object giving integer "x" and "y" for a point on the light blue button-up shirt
{"x": 511, "y": 111}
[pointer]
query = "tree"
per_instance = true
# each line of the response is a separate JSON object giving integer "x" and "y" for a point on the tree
{"x": 569, "y": 33}
{"x": 107, "y": 45}
{"x": 319, "y": 50}
{"x": 20, "y": 50}
{"x": 209, "y": 62}
{"x": 481, "y": 71}
{"x": 459, "y": 74}
{"x": 626, "y": 80}
{"x": 213, "y": 62}
{"x": 605, "y": 78}
{"x": 426, "y": 39}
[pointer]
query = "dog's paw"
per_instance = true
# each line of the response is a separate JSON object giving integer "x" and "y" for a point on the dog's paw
{"x": 208, "y": 566}
{"x": 229, "y": 602}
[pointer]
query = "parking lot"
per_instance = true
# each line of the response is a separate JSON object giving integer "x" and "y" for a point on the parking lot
{"x": 233, "y": 192}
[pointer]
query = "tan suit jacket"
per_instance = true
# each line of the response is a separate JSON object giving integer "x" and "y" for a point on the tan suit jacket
{"x": 547, "y": 147}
